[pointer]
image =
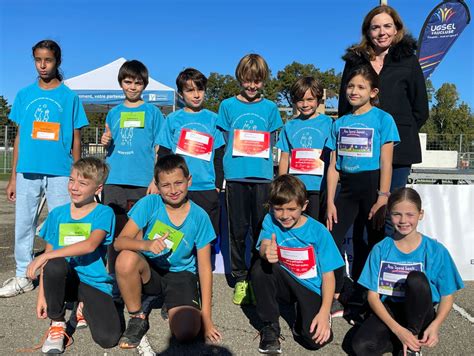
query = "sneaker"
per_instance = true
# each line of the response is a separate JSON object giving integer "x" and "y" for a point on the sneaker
{"x": 136, "y": 329}
{"x": 145, "y": 348}
{"x": 15, "y": 286}
{"x": 54, "y": 343}
{"x": 337, "y": 309}
{"x": 270, "y": 339}
{"x": 411, "y": 353}
{"x": 240, "y": 293}
{"x": 81, "y": 321}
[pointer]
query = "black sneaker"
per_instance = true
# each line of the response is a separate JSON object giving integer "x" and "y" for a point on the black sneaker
{"x": 411, "y": 353}
{"x": 270, "y": 339}
{"x": 136, "y": 329}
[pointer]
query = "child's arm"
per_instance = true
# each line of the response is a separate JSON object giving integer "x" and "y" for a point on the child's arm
{"x": 128, "y": 240}
{"x": 321, "y": 325}
{"x": 431, "y": 334}
{"x": 41, "y": 306}
{"x": 332, "y": 180}
{"x": 11, "y": 186}
{"x": 283, "y": 164}
{"x": 386, "y": 158}
{"x": 205, "y": 281}
{"x": 106, "y": 138}
{"x": 219, "y": 167}
{"x": 404, "y": 335}
{"x": 78, "y": 249}
{"x": 76, "y": 145}
{"x": 268, "y": 250}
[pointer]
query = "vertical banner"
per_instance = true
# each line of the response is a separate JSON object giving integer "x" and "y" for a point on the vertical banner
{"x": 441, "y": 29}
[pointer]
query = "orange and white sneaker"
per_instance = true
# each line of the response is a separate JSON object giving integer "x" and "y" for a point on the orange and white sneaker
{"x": 54, "y": 343}
{"x": 81, "y": 321}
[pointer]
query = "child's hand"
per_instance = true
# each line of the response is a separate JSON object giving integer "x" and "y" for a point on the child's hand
{"x": 408, "y": 340}
{"x": 106, "y": 136}
{"x": 271, "y": 252}
{"x": 11, "y": 190}
{"x": 35, "y": 266}
{"x": 378, "y": 212}
{"x": 41, "y": 307}
{"x": 211, "y": 334}
{"x": 430, "y": 336}
{"x": 157, "y": 245}
{"x": 321, "y": 327}
{"x": 332, "y": 216}
{"x": 152, "y": 188}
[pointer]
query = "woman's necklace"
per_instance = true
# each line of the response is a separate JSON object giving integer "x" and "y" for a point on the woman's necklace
{"x": 377, "y": 64}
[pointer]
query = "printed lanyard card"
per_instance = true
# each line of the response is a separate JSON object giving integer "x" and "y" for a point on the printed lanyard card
{"x": 251, "y": 143}
{"x": 48, "y": 131}
{"x": 301, "y": 261}
{"x": 306, "y": 161}
{"x": 392, "y": 277}
{"x": 72, "y": 233}
{"x": 195, "y": 144}
{"x": 355, "y": 142}
{"x": 132, "y": 119}
{"x": 174, "y": 236}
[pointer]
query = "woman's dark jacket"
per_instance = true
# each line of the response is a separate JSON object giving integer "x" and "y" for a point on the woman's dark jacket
{"x": 402, "y": 94}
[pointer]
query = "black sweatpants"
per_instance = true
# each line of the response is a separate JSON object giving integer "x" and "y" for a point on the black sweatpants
{"x": 271, "y": 284}
{"x": 353, "y": 203}
{"x": 415, "y": 313}
{"x": 246, "y": 210}
{"x": 314, "y": 205}
{"x": 209, "y": 201}
{"x": 61, "y": 284}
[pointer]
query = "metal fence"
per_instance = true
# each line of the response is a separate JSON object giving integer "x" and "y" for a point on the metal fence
{"x": 462, "y": 143}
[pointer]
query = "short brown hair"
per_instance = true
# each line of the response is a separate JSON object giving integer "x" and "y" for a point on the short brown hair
{"x": 252, "y": 67}
{"x": 169, "y": 163}
{"x": 286, "y": 188}
{"x": 192, "y": 74}
{"x": 301, "y": 86}
{"x": 133, "y": 69}
{"x": 92, "y": 168}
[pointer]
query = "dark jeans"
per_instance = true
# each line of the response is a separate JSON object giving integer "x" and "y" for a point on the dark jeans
{"x": 415, "y": 313}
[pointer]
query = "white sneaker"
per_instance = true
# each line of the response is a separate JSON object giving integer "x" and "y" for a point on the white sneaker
{"x": 15, "y": 286}
{"x": 145, "y": 348}
{"x": 54, "y": 343}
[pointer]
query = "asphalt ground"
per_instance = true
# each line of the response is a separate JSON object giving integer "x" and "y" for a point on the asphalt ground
{"x": 20, "y": 329}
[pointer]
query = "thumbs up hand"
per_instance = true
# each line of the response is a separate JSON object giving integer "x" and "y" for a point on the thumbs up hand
{"x": 271, "y": 252}
{"x": 106, "y": 136}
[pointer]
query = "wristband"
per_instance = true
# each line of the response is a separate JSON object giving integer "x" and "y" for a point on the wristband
{"x": 383, "y": 194}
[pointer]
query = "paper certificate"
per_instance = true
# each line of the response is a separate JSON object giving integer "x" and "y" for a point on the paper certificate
{"x": 306, "y": 161}
{"x": 132, "y": 119}
{"x": 72, "y": 233}
{"x": 174, "y": 236}
{"x": 392, "y": 277}
{"x": 250, "y": 143}
{"x": 46, "y": 130}
{"x": 195, "y": 144}
{"x": 355, "y": 142}
{"x": 300, "y": 261}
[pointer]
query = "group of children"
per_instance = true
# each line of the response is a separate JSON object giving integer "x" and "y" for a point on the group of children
{"x": 160, "y": 212}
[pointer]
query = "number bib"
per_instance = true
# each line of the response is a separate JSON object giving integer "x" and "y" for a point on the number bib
{"x": 306, "y": 161}
{"x": 300, "y": 261}
{"x": 174, "y": 236}
{"x": 355, "y": 142}
{"x": 72, "y": 233}
{"x": 132, "y": 119}
{"x": 251, "y": 143}
{"x": 195, "y": 144}
{"x": 392, "y": 277}
{"x": 48, "y": 131}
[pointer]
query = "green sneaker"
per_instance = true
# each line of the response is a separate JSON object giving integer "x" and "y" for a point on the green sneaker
{"x": 240, "y": 293}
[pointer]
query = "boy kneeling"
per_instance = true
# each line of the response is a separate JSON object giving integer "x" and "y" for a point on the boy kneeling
{"x": 298, "y": 257}
{"x": 157, "y": 257}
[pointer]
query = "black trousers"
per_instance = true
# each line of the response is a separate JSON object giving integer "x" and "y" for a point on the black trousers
{"x": 246, "y": 210}
{"x": 415, "y": 313}
{"x": 209, "y": 201}
{"x": 271, "y": 284}
{"x": 61, "y": 284}
{"x": 353, "y": 203}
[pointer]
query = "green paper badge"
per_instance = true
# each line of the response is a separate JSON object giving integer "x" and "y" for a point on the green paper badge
{"x": 132, "y": 119}
{"x": 72, "y": 233}
{"x": 174, "y": 236}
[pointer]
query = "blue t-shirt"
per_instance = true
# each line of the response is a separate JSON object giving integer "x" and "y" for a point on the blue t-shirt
{"x": 131, "y": 154}
{"x": 47, "y": 120}
{"x": 204, "y": 121}
{"x": 358, "y": 140}
{"x": 327, "y": 255}
{"x": 306, "y": 133}
{"x": 431, "y": 257}
{"x": 234, "y": 114}
{"x": 197, "y": 230}
{"x": 90, "y": 268}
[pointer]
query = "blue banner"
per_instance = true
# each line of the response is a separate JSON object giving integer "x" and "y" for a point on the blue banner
{"x": 442, "y": 28}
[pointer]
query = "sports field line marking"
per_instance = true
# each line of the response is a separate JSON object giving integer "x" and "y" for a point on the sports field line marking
{"x": 463, "y": 313}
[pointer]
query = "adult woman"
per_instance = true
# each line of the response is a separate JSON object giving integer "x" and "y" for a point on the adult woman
{"x": 390, "y": 51}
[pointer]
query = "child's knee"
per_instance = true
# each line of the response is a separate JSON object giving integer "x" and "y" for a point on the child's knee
{"x": 185, "y": 323}
{"x": 126, "y": 262}
{"x": 55, "y": 267}
{"x": 416, "y": 280}
{"x": 107, "y": 339}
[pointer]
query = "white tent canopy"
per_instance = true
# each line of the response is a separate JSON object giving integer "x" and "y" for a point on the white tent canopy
{"x": 100, "y": 87}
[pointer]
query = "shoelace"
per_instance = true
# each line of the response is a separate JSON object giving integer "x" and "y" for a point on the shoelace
{"x": 281, "y": 337}
{"x": 58, "y": 330}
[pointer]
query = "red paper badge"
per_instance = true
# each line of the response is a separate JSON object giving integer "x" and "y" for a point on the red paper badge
{"x": 195, "y": 144}
{"x": 251, "y": 143}
{"x": 300, "y": 261}
{"x": 306, "y": 161}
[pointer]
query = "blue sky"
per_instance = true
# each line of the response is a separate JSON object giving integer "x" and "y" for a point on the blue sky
{"x": 211, "y": 35}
